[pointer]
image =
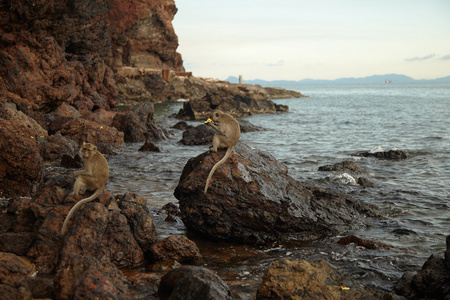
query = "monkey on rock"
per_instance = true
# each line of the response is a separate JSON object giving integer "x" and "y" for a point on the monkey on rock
{"x": 227, "y": 136}
{"x": 92, "y": 178}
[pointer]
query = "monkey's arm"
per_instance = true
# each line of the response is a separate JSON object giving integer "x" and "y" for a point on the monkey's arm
{"x": 216, "y": 128}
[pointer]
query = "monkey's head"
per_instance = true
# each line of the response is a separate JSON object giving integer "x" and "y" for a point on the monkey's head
{"x": 216, "y": 116}
{"x": 87, "y": 149}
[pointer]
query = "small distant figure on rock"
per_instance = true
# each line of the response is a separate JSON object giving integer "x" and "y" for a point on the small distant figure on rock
{"x": 447, "y": 253}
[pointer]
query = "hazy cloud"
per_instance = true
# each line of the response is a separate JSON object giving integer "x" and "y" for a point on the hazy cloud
{"x": 429, "y": 56}
{"x": 445, "y": 57}
{"x": 277, "y": 64}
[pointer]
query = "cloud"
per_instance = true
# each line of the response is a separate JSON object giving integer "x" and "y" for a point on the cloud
{"x": 445, "y": 57}
{"x": 277, "y": 64}
{"x": 429, "y": 56}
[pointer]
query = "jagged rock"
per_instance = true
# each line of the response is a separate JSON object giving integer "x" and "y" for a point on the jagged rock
{"x": 85, "y": 277}
{"x": 131, "y": 125}
{"x": 14, "y": 268}
{"x": 138, "y": 124}
{"x": 252, "y": 199}
{"x": 189, "y": 282}
{"x": 199, "y": 135}
{"x": 431, "y": 282}
{"x": 135, "y": 209}
{"x": 57, "y": 146}
{"x": 246, "y": 126}
{"x": 297, "y": 280}
{"x": 21, "y": 165}
{"x": 95, "y": 231}
{"x": 177, "y": 248}
{"x": 389, "y": 154}
{"x": 237, "y": 106}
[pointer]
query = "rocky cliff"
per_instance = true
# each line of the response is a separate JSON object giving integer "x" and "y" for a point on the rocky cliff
{"x": 68, "y": 51}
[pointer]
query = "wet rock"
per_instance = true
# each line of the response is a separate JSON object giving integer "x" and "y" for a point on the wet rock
{"x": 171, "y": 209}
{"x": 189, "y": 282}
{"x": 21, "y": 165}
{"x": 363, "y": 181}
{"x": 252, "y": 199}
{"x": 84, "y": 277}
{"x": 182, "y": 125}
{"x": 431, "y": 282}
{"x": 199, "y": 135}
{"x": 14, "y": 268}
{"x": 389, "y": 154}
{"x": 345, "y": 167}
{"x": 303, "y": 280}
{"x": 361, "y": 242}
{"x": 149, "y": 147}
{"x": 82, "y": 130}
{"x": 177, "y": 248}
{"x": 246, "y": 126}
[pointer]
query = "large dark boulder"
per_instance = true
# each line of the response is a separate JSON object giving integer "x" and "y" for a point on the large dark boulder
{"x": 431, "y": 282}
{"x": 252, "y": 198}
{"x": 189, "y": 282}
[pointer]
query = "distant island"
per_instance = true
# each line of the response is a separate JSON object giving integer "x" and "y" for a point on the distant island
{"x": 388, "y": 78}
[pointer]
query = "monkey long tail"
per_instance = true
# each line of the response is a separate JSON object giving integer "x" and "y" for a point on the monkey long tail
{"x": 220, "y": 162}
{"x": 76, "y": 206}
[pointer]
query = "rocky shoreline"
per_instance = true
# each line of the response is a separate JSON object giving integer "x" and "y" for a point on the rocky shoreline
{"x": 67, "y": 68}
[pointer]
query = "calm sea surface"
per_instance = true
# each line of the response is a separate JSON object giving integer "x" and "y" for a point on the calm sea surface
{"x": 334, "y": 122}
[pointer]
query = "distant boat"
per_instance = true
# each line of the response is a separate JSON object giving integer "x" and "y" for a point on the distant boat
{"x": 387, "y": 81}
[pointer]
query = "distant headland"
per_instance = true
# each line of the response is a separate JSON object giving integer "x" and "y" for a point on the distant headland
{"x": 388, "y": 78}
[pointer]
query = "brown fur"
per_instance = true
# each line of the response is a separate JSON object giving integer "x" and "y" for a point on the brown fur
{"x": 93, "y": 177}
{"x": 227, "y": 135}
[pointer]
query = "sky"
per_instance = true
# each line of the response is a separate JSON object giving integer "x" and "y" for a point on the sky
{"x": 317, "y": 39}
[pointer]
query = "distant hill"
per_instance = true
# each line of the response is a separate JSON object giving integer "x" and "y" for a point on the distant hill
{"x": 393, "y": 78}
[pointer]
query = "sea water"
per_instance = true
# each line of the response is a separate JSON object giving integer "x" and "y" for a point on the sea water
{"x": 331, "y": 125}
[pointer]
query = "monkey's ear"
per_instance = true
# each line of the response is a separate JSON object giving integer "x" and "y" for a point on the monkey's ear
{"x": 84, "y": 144}
{"x": 94, "y": 148}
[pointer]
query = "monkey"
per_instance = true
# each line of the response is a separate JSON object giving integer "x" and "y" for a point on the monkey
{"x": 227, "y": 135}
{"x": 93, "y": 177}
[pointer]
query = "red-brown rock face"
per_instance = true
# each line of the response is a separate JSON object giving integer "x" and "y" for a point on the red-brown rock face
{"x": 143, "y": 35}
{"x": 53, "y": 52}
